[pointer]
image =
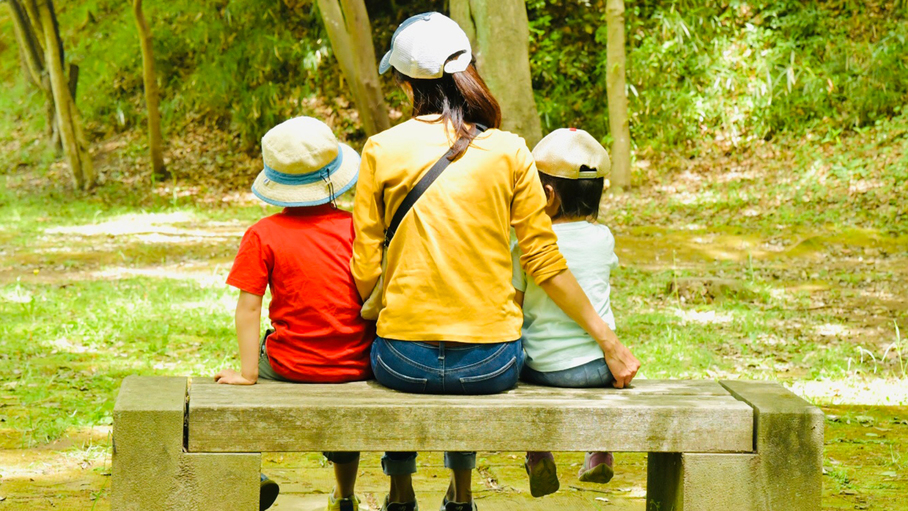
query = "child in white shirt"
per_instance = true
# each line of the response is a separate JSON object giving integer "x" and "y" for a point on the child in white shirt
{"x": 572, "y": 167}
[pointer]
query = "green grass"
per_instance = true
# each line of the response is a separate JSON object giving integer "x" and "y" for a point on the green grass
{"x": 851, "y": 183}
{"x": 76, "y": 316}
{"x": 68, "y": 346}
{"x": 77, "y": 313}
{"x": 735, "y": 337}
{"x": 129, "y": 279}
{"x": 731, "y": 73}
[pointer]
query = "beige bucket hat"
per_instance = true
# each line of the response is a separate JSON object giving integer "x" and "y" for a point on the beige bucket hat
{"x": 564, "y": 151}
{"x": 305, "y": 165}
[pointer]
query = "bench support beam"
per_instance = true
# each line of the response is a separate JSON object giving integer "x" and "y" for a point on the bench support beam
{"x": 785, "y": 472}
{"x": 151, "y": 471}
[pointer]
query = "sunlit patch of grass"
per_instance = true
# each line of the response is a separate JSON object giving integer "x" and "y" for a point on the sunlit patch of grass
{"x": 899, "y": 350}
{"x": 761, "y": 331}
{"x": 91, "y": 299}
{"x": 69, "y": 346}
{"x": 865, "y": 454}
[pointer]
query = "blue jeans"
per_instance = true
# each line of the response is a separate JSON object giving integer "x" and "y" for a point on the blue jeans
{"x": 423, "y": 368}
{"x": 591, "y": 374}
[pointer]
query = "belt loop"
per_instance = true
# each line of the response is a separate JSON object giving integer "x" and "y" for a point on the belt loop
{"x": 441, "y": 350}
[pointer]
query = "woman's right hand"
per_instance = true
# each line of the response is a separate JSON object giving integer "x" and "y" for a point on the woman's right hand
{"x": 621, "y": 362}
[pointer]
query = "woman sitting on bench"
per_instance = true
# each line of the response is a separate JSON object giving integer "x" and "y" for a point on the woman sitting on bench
{"x": 449, "y": 324}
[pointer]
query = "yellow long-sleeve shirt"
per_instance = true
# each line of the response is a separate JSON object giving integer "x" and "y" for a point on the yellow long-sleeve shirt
{"x": 448, "y": 274}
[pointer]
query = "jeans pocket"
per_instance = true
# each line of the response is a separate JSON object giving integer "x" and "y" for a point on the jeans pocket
{"x": 499, "y": 380}
{"x": 397, "y": 381}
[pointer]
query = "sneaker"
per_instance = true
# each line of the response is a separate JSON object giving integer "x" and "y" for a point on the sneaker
{"x": 597, "y": 467}
{"x": 350, "y": 503}
{"x": 268, "y": 491}
{"x": 447, "y": 505}
{"x": 399, "y": 506}
{"x": 540, "y": 467}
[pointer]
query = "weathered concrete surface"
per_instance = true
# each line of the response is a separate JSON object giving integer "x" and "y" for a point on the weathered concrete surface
{"x": 654, "y": 416}
{"x": 216, "y": 482}
{"x": 788, "y": 436}
{"x": 784, "y": 473}
{"x": 147, "y": 441}
{"x": 702, "y": 482}
{"x": 151, "y": 472}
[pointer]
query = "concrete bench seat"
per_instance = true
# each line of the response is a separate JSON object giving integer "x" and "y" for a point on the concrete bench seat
{"x": 182, "y": 444}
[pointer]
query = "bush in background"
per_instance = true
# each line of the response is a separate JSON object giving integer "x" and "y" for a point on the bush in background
{"x": 698, "y": 70}
{"x": 727, "y": 70}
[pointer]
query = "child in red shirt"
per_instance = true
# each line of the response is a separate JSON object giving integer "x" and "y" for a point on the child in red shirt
{"x": 303, "y": 255}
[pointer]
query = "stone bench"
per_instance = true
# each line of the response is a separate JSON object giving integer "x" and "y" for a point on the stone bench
{"x": 190, "y": 444}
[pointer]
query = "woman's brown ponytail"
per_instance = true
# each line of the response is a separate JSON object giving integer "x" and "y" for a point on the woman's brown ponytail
{"x": 462, "y": 99}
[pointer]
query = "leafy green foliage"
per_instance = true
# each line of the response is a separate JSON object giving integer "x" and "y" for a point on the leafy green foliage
{"x": 722, "y": 70}
{"x": 714, "y": 70}
{"x": 242, "y": 65}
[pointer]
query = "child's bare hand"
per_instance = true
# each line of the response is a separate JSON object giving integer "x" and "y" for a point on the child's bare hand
{"x": 231, "y": 377}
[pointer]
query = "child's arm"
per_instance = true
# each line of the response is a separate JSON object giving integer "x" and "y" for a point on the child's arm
{"x": 248, "y": 323}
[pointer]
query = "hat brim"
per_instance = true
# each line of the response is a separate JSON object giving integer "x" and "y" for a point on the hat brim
{"x": 385, "y": 63}
{"x": 459, "y": 63}
{"x": 313, "y": 194}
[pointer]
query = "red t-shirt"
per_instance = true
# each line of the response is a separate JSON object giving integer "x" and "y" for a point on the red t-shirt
{"x": 304, "y": 254}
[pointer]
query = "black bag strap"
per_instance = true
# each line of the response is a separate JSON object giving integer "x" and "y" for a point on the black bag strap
{"x": 420, "y": 188}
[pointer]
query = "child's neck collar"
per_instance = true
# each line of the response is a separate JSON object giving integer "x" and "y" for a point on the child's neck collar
{"x": 568, "y": 219}
{"x": 309, "y": 210}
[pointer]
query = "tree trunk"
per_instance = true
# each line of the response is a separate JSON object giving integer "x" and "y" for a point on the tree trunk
{"x": 461, "y": 13}
{"x": 152, "y": 94}
{"x": 360, "y": 30}
{"x": 34, "y": 18}
{"x": 29, "y": 45}
{"x": 349, "y": 30}
{"x": 616, "y": 90}
{"x": 341, "y": 44}
{"x": 32, "y": 53}
{"x": 499, "y": 30}
{"x": 74, "y": 145}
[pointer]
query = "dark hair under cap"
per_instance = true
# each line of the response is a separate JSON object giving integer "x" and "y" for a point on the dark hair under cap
{"x": 579, "y": 197}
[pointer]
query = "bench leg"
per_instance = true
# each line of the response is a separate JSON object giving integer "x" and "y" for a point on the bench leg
{"x": 150, "y": 471}
{"x": 216, "y": 482}
{"x": 785, "y": 472}
{"x": 701, "y": 482}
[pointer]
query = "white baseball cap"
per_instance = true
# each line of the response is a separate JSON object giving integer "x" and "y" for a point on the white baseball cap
{"x": 305, "y": 165}
{"x": 564, "y": 151}
{"x": 422, "y": 45}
